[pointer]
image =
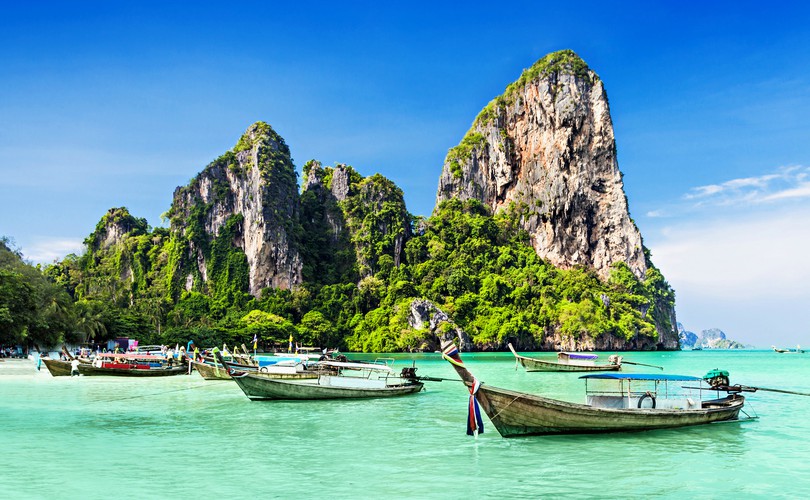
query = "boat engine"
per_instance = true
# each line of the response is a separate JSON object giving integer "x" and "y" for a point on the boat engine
{"x": 717, "y": 378}
{"x": 615, "y": 359}
{"x": 409, "y": 372}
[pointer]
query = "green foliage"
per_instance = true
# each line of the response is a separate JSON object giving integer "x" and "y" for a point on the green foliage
{"x": 463, "y": 152}
{"x": 561, "y": 62}
{"x": 228, "y": 271}
{"x": 268, "y": 327}
{"x": 364, "y": 260}
{"x": 33, "y": 310}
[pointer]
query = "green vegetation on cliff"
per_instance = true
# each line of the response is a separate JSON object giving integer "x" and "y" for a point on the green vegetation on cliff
{"x": 33, "y": 309}
{"x": 477, "y": 267}
{"x": 363, "y": 261}
{"x": 565, "y": 62}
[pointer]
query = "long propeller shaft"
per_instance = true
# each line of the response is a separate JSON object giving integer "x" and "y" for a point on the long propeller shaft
{"x": 642, "y": 364}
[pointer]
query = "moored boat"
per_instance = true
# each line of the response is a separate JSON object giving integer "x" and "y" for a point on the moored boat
{"x": 798, "y": 350}
{"x": 57, "y": 367}
{"x": 568, "y": 362}
{"x": 640, "y": 402}
{"x": 62, "y": 367}
{"x": 212, "y": 369}
{"x": 369, "y": 381}
{"x": 132, "y": 365}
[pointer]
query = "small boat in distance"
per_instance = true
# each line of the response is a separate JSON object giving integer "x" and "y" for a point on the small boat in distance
{"x": 636, "y": 402}
{"x": 798, "y": 350}
{"x": 568, "y": 362}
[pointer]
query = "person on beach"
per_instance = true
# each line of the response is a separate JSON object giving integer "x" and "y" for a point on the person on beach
{"x": 74, "y": 367}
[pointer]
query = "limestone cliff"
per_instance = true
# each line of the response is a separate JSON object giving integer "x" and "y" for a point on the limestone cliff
{"x": 116, "y": 224}
{"x": 547, "y": 146}
{"x": 546, "y": 151}
{"x": 251, "y": 190}
{"x": 366, "y": 215}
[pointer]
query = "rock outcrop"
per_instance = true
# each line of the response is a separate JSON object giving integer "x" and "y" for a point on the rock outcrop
{"x": 546, "y": 147}
{"x": 257, "y": 181}
{"x": 425, "y": 315}
{"x": 111, "y": 230}
{"x": 687, "y": 338}
{"x": 715, "y": 338}
{"x": 367, "y": 211}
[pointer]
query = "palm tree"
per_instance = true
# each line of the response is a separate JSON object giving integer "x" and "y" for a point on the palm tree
{"x": 89, "y": 319}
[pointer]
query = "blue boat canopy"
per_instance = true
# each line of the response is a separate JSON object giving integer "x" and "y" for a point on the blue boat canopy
{"x": 578, "y": 355}
{"x": 641, "y": 376}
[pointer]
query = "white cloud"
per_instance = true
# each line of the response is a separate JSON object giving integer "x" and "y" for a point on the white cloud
{"x": 786, "y": 183}
{"x": 47, "y": 250}
{"x": 748, "y": 270}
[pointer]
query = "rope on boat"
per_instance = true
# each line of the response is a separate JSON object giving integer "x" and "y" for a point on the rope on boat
{"x": 207, "y": 383}
{"x": 505, "y": 407}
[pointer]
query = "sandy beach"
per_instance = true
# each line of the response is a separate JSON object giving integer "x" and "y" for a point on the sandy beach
{"x": 17, "y": 366}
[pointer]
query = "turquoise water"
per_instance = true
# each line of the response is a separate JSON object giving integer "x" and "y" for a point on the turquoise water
{"x": 96, "y": 437}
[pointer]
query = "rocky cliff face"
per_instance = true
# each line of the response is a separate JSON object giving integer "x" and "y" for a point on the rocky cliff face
{"x": 367, "y": 213}
{"x": 424, "y": 315}
{"x": 111, "y": 230}
{"x": 257, "y": 181}
{"x": 686, "y": 338}
{"x": 547, "y": 146}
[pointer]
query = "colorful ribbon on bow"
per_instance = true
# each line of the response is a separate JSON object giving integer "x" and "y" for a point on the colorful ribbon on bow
{"x": 450, "y": 354}
{"x": 475, "y": 425}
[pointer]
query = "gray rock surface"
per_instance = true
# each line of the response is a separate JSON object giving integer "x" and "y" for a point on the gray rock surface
{"x": 258, "y": 182}
{"x": 548, "y": 146}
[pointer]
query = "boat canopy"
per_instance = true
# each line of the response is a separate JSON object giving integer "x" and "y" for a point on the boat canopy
{"x": 129, "y": 355}
{"x": 357, "y": 366}
{"x": 641, "y": 376}
{"x": 577, "y": 355}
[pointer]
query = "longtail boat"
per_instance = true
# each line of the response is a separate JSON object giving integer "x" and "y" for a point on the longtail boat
{"x": 214, "y": 370}
{"x": 57, "y": 367}
{"x": 211, "y": 371}
{"x": 568, "y": 362}
{"x": 798, "y": 350}
{"x": 373, "y": 381}
{"x": 640, "y": 402}
{"x": 132, "y": 365}
{"x": 62, "y": 368}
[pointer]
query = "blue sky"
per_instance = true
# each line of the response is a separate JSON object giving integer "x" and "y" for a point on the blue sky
{"x": 110, "y": 104}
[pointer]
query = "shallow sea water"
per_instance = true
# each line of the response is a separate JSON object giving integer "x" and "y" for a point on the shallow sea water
{"x": 97, "y": 437}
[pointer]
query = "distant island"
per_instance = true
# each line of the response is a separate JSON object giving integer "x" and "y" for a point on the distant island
{"x": 713, "y": 338}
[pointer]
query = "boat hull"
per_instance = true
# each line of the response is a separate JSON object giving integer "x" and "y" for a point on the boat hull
{"x": 211, "y": 372}
{"x": 520, "y": 414}
{"x": 262, "y": 387}
{"x": 57, "y": 367}
{"x": 538, "y": 365}
{"x": 133, "y": 372}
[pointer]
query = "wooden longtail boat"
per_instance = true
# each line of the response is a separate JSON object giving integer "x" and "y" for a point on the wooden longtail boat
{"x": 57, "y": 367}
{"x": 568, "y": 362}
{"x": 62, "y": 368}
{"x": 376, "y": 381}
{"x": 798, "y": 350}
{"x": 216, "y": 370}
{"x": 132, "y": 365}
{"x": 521, "y": 414}
{"x": 210, "y": 371}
